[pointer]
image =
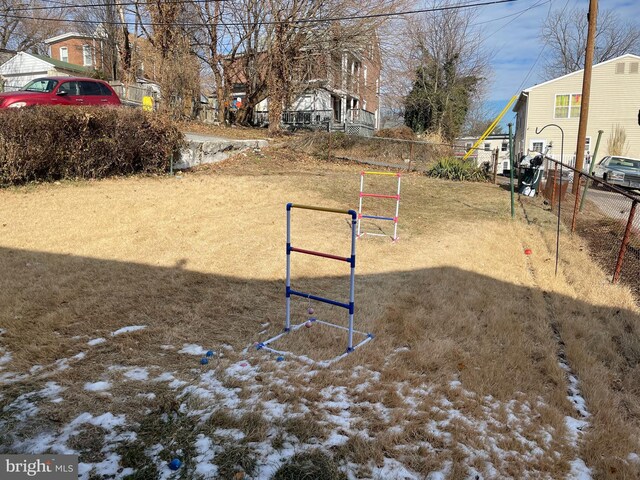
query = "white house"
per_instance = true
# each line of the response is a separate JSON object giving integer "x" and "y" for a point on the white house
{"x": 24, "y": 67}
{"x": 485, "y": 150}
{"x": 614, "y": 101}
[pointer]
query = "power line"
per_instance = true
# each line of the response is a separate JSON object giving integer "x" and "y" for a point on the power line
{"x": 61, "y": 5}
{"x": 519, "y": 13}
{"x": 544, "y": 45}
{"x": 271, "y": 22}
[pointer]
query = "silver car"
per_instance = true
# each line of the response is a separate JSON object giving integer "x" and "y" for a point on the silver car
{"x": 621, "y": 171}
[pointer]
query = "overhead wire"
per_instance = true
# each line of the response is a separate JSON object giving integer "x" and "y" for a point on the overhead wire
{"x": 275, "y": 22}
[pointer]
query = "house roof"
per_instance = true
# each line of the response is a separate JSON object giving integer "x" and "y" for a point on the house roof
{"x": 65, "y": 36}
{"x": 69, "y": 67}
{"x": 61, "y": 64}
{"x": 577, "y": 72}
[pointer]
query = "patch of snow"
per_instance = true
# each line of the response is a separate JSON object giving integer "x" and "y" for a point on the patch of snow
{"x": 242, "y": 371}
{"x": 335, "y": 439}
{"x": 232, "y": 433}
{"x": 192, "y": 349}
{"x": 574, "y": 427}
{"x": 148, "y": 396}
{"x": 97, "y": 386}
{"x": 96, "y": 341}
{"x": 175, "y": 384}
{"x": 79, "y": 356}
{"x": 24, "y": 406}
{"x": 579, "y": 471}
{"x": 133, "y": 328}
{"x": 137, "y": 373}
{"x": 5, "y": 358}
{"x": 167, "y": 347}
{"x": 205, "y": 452}
{"x": 62, "y": 364}
{"x": 392, "y": 469}
{"x": 634, "y": 457}
{"x": 164, "y": 377}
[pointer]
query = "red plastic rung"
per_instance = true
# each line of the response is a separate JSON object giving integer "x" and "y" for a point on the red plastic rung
{"x": 376, "y": 195}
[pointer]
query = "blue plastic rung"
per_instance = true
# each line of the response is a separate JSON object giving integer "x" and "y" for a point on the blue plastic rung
{"x": 320, "y": 299}
{"x": 259, "y": 346}
{"x": 376, "y": 217}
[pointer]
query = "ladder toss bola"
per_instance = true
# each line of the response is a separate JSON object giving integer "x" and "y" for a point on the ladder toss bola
{"x": 393, "y": 219}
{"x": 350, "y": 306}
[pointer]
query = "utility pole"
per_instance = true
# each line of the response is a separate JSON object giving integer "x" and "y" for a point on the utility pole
{"x": 586, "y": 89}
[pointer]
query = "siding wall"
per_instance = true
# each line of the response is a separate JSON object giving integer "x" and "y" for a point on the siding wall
{"x": 313, "y": 100}
{"x": 615, "y": 99}
{"x": 23, "y": 68}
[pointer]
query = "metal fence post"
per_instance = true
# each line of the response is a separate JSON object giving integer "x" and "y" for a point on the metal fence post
{"x": 513, "y": 206}
{"x": 553, "y": 187}
{"x": 329, "y": 153}
{"x": 625, "y": 242}
{"x": 495, "y": 166}
{"x": 410, "y": 155}
{"x": 577, "y": 202}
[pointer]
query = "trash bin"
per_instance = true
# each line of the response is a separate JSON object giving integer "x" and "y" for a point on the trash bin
{"x": 529, "y": 180}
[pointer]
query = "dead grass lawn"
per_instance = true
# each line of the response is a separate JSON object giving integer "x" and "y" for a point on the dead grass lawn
{"x": 463, "y": 375}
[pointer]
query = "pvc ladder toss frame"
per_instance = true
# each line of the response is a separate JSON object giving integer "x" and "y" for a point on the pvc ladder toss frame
{"x": 362, "y": 195}
{"x": 288, "y": 327}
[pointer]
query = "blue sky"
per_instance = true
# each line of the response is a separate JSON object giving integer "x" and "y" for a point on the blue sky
{"x": 514, "y": 43}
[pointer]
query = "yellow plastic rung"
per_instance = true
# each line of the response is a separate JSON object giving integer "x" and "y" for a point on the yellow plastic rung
{"x": 322, "y": 209}
{"x": 381, "y": 173}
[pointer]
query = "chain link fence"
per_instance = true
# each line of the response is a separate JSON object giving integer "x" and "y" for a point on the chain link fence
{"x": 604, "y": 215}
{"x": 411, "y": 155}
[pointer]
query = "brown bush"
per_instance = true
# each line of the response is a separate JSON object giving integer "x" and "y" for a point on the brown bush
{"x": 52, "y": 143}
{"x": 403, "y": 132}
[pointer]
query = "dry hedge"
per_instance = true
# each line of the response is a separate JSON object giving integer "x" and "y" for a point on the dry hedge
{"x": 53, "y": 143}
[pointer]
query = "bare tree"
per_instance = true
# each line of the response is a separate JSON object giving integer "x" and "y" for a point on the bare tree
{"x": 450, "y": 68}
{"x": 299, "y": 45}
{"x": 179, "y": 70}
{"x": 565, "y": 33}
{"x": 24, "y": 24}
{"x": 104, "y": 20}
{"x": 226, "y": 41}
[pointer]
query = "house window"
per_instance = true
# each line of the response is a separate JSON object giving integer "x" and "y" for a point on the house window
{"x": 64, "y": 54}
{"x": 364, "y": 73}
{"x": 620, "y": 68}
{"x": 633, "y": 67}
{"x": 568, "y": 105}
{"x": 537, "y": 146}
{"x": 487, "y": 147}
{"x": 468, "y": 146}
{"x": 377, "y": 86}
{"x": 504, "y": 147}
{"x": 87, "y": 58}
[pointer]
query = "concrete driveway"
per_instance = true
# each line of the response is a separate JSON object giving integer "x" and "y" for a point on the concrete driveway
{"x": 613, "y": 205}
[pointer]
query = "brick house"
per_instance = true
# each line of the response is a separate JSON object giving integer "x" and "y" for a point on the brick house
{"x": 77, "y": 49}
{"x": 342, "y": 91}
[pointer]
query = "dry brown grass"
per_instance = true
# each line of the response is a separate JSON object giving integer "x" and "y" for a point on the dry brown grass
{"x": 200, "y": 259}
{"x": 234, "y": 131}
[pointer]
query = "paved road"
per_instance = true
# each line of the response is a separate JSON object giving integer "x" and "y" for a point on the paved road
{"x": 613, "y": 205}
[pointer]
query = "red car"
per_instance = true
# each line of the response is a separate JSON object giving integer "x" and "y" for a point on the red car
{"x": 61, "y": 91}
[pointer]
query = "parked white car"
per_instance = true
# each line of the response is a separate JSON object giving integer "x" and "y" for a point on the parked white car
{"x": 620, "y": 171}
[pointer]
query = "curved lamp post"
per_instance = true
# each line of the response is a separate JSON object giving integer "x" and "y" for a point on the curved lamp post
{"x": 539, "y": 131}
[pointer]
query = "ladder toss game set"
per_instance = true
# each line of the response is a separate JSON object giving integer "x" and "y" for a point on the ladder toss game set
{"x": 351, "y": 260}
